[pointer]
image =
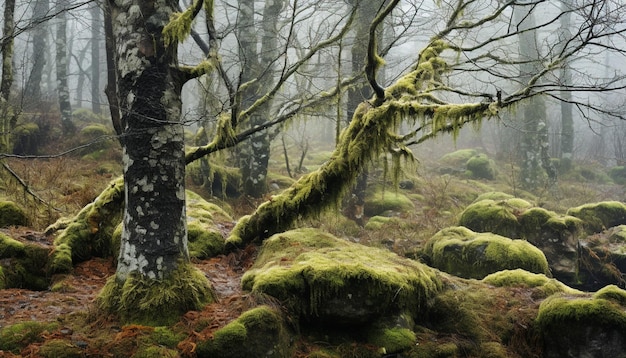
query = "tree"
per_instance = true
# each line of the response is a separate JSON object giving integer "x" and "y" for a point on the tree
{"x": 567, "y": 118}
{"x": 63, "y": 89}
{"x": 96, "y": 36}
{"x": 7, "y": 119}
{"x": 33, "y": 85}
{"x": 153, "y": 273}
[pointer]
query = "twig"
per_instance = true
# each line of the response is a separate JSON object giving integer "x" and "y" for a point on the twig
{"x": 27, "y": 188}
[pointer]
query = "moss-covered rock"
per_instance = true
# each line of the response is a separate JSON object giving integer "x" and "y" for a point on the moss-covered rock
{"x": 27, "y": 138}
{"x": 392, "y": 339}
{"x": 481, "y": 167}
{"x": 496, "y": 216}
{"x": 202, "y": 226}
{"x": 544, "y": 285}
{"x": 600, "y": 216}
{"x": 458, "y": 158}
{"x": 602, "y": 258}
{"x": 23, "y": 265}
{"x": 89, "y": 233}
{"x": 583, "y": 326}
{"x": 12, "y": 215}
{"x": 379, "y": 201}
{"x": 155, "y": 302}
{"x": 378, "y": 222}
{"x": 464, "y": 253}
{"x": 494, "y": 195}
{"x": 20, "y": 335}
{"x": 331, "y": 281}
{"x": 259, "y": 332}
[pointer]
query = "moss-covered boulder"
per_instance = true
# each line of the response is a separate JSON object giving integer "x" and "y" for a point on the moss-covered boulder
{"x": 23, "y": 264}
{"x": 600, "y": 216}
{"x": 481, "y": 167}
{"x": 259, "y": 332}
{"x": 557, "y": 236}
{"x": 203, "y": 220}
{"x": 329, "y": 281}
{"x": 584, "y": 325}
{"x": 618, "y": 174}
{"x": 379, "y": 201}
{"x": 542, "y": 285}
{"x": 602, "y": 259}
{"x": 458, "y": 158}
{"x": 89, "y": 233}
{"x": 12, "y": 215}
{"x": 464, "y": 253}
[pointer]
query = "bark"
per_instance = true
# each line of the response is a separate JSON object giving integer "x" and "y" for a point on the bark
{"x": 111, "y": 87}
{"x": 96, "y": 31}
{"x": 63, "y": 90}
{"x": 7, "y": 119}
{"x": 565, "y": 78}
{"x": 38, "y": 55}
{"x": 154, "y": 237}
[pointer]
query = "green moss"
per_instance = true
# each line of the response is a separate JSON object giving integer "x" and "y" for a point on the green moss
{"x": 377, "y": 222}
{"x": 379, "y": 201}
{"x": 458, "y": 158}
{"x": 20, "y": 335}
{"x": 12, "y": 215}
{"x": 494, "y": 195}
{"x": 493, "y": 350}
{"x": 10, "y": 247}
{"x": 436, "y": 350}
{"x": 324, "y": 278}
{"x": 618, "y": 174}
{"x": 464, "y": 253}
{"x": 156, "y": 351}
{"x": 89, "y": 233}
{"x": 560, "y": 312}
{"x": 392, "y": 339}
{"x": 202, "y": 217}
{"x": 612, "y": 293}
{"x": 156, "y": 302}
{"x": 497, "y": 217}
{"x": 600, "y": 216}
{"x": 87, "y": 116}
{"x": 60, "y": 348}
{"x": 522, "y": 278}
{"x": 481, "y": 167}
{"x": 257, "y": 332}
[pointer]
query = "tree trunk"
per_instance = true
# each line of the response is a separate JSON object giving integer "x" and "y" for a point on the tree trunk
{"x": 38, "y": 55}
{"x": 154, "y": 255}
{"x": 63, "y": 90}
{"x": 96, "y": 31}
{"x": 7, "y": 119}
{"x": 565, "y": 78}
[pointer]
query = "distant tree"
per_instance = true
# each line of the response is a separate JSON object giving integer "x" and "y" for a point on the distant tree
{"x": 96, "y": 41}
{"x": 565, "y": 77}
{"x": 63, "y": 90}
{"x": 38, "y": 53}
{"x": 7, "y": 118}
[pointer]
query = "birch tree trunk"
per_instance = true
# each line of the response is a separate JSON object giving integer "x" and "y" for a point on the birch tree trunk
{"x": 63, "y": 90}
{"x": 7, "y": 119}
{"x": 96, "y": 36}
{"x": 153, "y": 270}
{"x": 565, "y": 77}
{"x": 38, "y": 55}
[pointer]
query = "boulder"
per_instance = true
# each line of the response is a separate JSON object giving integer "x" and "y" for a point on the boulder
{"x": 465, "y": 253}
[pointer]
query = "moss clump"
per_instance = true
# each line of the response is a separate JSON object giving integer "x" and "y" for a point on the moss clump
{"x": 600, "y": 216}
{"x": 12, "y": 215}
{"x": 378, "y": 222}
{"x": 458, "y": 158}
{"x": 20, "y": 335}
{"x": 24, "y": 264}
{"x": 328, "y": 280}
{"x": 259, "y": 332}
{"x": 481, "y": 167}
{"x": 582, "y": 326}
{"x": 10, "y": 247}
{"x": 392, "y": 339}
{"x": 379, "y": 201}
{"x": 498, "y": 217}
{"x": 618, "y": 174}
{"x": 56, "y": 348}
{"x": 522, "y": 278}
{"x": 89, "y": 233}
{"x": 156, "y": 302}
{"x": 156, "y": 351}
{"x": 612, "y": 293}
{"x": 464, "y": 253}
{"x": 204, "y": 239}
{"x": 494, "y": 195}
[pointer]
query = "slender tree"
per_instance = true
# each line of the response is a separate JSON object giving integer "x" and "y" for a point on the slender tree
{"x": 63, "y": 90}
{"x": 96, "y": 40}
{"x": 565, "y": 77}
{"x": 38, "y": 53}
{"x": 7, "y": 120}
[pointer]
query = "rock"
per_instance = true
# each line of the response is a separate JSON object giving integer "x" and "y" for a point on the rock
{"x": 378, "y": 201}
{"x": 584, "y": 325}
{"x": 481, "y": 167}
{"x": 600, "y": 216}
{"x": 12, "y": 215}
{"x": 328, "y": 281}
{"x": 464, "y": 253}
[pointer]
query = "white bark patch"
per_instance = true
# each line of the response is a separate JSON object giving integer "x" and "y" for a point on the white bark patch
{"x": 154, "y": 225}
{"x": 139, "y": 211}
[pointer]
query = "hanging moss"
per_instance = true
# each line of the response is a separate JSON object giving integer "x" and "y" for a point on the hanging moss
{"x": 327, "y": 280}
{"x": 464, "y": 253}
{"x": 156, "y": 302}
